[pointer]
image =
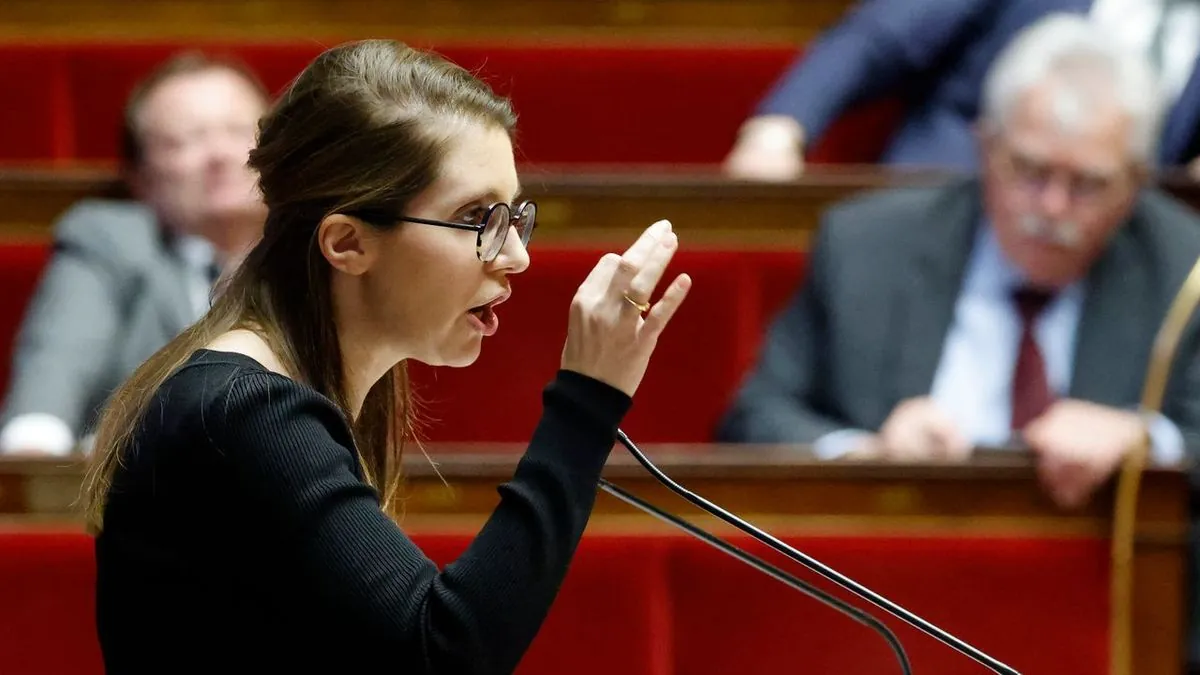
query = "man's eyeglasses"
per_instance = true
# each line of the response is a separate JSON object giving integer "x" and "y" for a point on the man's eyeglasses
{"x": 492, "y": 228}
{"x": 1034, "y": 177}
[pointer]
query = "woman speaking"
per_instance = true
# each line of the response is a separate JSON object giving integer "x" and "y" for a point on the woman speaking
{"x": 243, "y": 484}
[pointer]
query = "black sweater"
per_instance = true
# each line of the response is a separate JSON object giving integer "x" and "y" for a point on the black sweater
{"x": 239, "y": 536}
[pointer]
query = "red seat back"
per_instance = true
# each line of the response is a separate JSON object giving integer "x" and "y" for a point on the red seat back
{"x": 651, "y": 604}
{"x": 47, "y": 604}
{"x": 1039, "y": 605}
{"x": 21, "y": 266}
{"x": 698, "y": 362}
{"x": 578, "y": 104}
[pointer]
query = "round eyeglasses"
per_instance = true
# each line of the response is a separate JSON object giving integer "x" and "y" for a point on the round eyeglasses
{"x": 492, "y": 229}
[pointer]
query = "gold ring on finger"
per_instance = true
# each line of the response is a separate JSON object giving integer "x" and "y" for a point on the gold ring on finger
{"x": 641, "y": 306}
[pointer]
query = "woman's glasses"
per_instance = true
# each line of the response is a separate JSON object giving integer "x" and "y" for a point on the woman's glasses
{"x": 492, "y": 229}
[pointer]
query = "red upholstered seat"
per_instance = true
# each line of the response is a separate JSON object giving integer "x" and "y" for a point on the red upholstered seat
{"x": 101, "y": 76}
{"x": 1039, "y": 605}
{"x": 47, "y": 604}
{"x": 698, "y": 363}
{"x": 35, "y": 117}
{"x": 622, "y": 597}
{"x": 627, "y": 104}
{"x": 665, "y": 605}
{"x": 47, "y": 607}
{"x": 21, "y": 266}
{"x": 699, "y": 360}
{"x": 579, "y": 104}
{"x": 594, "y": 104}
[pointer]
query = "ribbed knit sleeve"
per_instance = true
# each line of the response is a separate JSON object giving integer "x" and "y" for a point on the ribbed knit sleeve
{"x": 290, "y": 455}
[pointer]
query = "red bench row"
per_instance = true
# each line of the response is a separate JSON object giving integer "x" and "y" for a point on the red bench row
{"x": 578, "y": 104}
{"x": 711, "y": 342}
{"x": 664, "y": 605}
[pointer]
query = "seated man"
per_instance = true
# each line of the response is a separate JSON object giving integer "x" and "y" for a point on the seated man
{"x": 1019, "y": 307}
{"x": 934, "y": 55}
{"x": 125, "y": 277}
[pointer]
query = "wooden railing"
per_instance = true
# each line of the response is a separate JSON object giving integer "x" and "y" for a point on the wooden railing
{"x": 744, "y": 20}
{"x": 585, "y": 203}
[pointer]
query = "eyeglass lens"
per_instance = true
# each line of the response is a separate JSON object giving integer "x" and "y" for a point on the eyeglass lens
{"x": 498, "y": 223}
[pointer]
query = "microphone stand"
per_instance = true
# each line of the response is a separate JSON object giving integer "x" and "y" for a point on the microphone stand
{"x": 812, "y": 564}
{"x": 766, "y": 568}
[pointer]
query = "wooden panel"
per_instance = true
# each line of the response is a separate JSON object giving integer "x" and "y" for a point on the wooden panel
{"x": 575, "y": 204}
{"x": 582, "y": 204}
{"x": 997, "y": 491}
{"x": 606, "y": 20}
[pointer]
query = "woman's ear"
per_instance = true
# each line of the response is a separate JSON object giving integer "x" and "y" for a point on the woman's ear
{"x": 349, "y": 244}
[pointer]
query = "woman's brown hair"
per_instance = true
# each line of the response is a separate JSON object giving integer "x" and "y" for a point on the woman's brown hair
{"x": 362, "y": 128}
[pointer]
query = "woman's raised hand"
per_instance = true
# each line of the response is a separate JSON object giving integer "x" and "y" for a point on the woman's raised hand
{"x": 613, "y": 326}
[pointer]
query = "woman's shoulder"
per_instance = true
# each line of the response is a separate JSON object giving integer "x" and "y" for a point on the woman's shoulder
{"x": 211, "y": 372}
{"x": 231, "y": 395}
{"x": 247, "y": 346}
{"x": 233, "y": 366}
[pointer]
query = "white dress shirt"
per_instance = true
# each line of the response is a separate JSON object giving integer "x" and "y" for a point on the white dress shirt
{"x": 200, "y": 258}
{"x": 973, "y": 380}
{"x": 46, "y": 434}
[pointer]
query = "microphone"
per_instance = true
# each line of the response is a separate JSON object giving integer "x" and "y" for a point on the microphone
{"x": 844, "y": 582}
{"x": 766, "y": 568}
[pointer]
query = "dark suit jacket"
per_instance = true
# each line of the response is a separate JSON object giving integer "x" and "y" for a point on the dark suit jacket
{"x": 113, "y": 293}
{"x": 934, "y": 54}
{"x": 865, "y": 331}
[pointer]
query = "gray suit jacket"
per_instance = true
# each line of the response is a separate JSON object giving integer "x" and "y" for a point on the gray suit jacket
{"x": 113, "y": 293}
{"x": 865, "y": 330}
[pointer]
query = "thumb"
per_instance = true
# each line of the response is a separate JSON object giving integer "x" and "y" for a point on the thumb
{"x": 949, "y": 441}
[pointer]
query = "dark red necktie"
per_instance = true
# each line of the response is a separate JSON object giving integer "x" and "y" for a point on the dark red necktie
{"x": 1031, "y": 394}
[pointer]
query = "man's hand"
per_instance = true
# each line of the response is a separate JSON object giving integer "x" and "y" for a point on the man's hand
{"x": 1193, "y": 169}
{"x": 916, "y": 431}
{"x": 769, "y": 148}
{"x": 1079, "y": 445}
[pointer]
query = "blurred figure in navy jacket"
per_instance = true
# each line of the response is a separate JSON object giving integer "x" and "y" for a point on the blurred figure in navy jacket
{"x": 933, "y": 55}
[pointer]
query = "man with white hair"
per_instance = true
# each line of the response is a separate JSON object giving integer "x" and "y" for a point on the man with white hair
{"x": 1014, "y": 308}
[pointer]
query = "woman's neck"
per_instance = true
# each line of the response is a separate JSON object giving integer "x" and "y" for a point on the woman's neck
{"x": 362, "y": 366}
{"x": 367, "y": 352}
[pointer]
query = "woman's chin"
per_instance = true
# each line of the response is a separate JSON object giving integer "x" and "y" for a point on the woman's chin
{"x": 460, "y": 357}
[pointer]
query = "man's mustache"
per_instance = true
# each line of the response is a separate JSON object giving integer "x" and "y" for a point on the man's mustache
{"x": 1065, "y": 233}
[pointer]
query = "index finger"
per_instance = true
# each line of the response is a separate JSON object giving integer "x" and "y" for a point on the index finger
{"x": 642, "y": 286}
{"x": 624, "y": 266}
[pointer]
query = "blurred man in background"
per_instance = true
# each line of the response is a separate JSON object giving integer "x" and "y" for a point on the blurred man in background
{"x": 126, "y": 276}
{"x": 933, "y": 55}
{"x": 1019, "y": 307}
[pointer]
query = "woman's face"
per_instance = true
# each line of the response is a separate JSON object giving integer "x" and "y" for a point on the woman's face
{"x": 426, "y": 285}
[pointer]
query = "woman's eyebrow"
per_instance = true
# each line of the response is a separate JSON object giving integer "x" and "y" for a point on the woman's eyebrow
{"x": 488, "y": 198}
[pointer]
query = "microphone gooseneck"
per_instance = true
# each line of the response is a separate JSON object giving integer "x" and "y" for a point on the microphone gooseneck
{"x": 816, "y": 566}
{"x": 766, "y": 568}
